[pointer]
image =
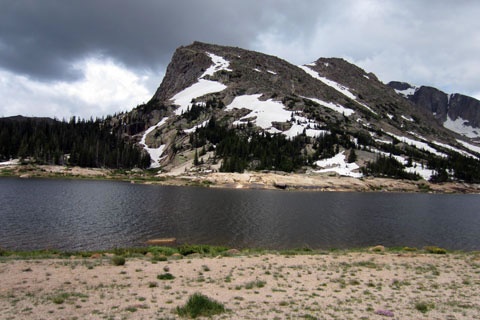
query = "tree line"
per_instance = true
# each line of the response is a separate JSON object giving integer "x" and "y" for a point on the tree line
{"x": 86, "y": 143}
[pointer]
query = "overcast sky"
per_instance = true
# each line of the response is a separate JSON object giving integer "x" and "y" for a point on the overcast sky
{"x": 97, "y": 57}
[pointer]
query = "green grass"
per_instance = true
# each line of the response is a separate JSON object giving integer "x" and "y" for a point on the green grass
{"x": 118, "y": 261}
{"x": 165, "y": 276}
{"x": 161, "y": 253}
{"x": 199, "y": 305}
{"x": 423, "y": 307}
{"x": 436, "y": 250}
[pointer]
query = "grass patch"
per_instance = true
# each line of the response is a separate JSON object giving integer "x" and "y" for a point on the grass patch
{"x": 165, "y": 276}
{"x": 200, "y": 305}
{"x": 435, "y": 250}
{"x": 118, "y": 261}
{"x": 423, "y": 306}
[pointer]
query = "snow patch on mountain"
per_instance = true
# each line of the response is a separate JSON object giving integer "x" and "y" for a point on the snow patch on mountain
{"x": 410, "y": 119}
{"x": 416, "y": 167}
{"x": 460, "y": 126}
{"x": 264, "y": 113}
{"x": 335, "y": 107}
{"x": 338, "y": 164}
{"x": 219, "y": 63}
{"x": 342, "y": 89}
{"x": 202, "y": 86}
{"x": 417, "y": 144}
{"x": 272, "y": 72}
{"x": 469, "y": 146}
{"x": 366, "y": 107}
{"x": 335, "y": 85}
{"x": 155, "y": 153}
{"x": 10, "y": 162}
{"x": 201, "y": 125}
{"x": 407, "y": 92}
{"x": 449, "y": 147}
{"x": 301, "y": 125}
{"x": 198, "y": 89}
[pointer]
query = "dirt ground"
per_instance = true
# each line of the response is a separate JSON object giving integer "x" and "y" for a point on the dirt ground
{"x": 343, "y": 285}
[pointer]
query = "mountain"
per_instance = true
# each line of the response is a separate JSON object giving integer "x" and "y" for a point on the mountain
{"x": 456, "y": 112}
{"x": 228, "y": 109}
{"x": 231, "y": 109}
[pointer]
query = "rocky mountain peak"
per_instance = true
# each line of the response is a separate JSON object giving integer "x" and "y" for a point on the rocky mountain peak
{"x": 456, "y": 112}
{"x": 233, "y": 103}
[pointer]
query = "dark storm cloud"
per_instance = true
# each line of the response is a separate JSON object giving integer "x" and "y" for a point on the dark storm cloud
{"x": 46, "y": 46}
{"x": 42, "y": 39}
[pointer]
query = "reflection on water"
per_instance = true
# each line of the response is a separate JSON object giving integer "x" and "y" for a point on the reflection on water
{"x": 88, "y": 215}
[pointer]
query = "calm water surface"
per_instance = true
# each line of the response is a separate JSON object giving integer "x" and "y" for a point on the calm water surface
{"x": 89, "y": 215}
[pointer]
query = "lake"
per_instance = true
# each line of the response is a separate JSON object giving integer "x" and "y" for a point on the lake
{"x": 93, "y": 215}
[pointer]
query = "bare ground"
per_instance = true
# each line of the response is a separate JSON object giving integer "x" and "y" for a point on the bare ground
{"x": 342, "y": 285}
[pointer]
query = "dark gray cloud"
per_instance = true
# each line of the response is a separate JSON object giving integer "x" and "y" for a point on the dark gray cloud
{"x": 42, "y": 38}
{"x": 423, "y": 42}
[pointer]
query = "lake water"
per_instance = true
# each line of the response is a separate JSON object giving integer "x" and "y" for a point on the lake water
{"x": 89, "y": 215}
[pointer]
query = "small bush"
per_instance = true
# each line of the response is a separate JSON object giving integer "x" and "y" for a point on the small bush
{"x": 409, "y": 249}
{"x": 58, "y": 300}
{"x": 202, "y": 249}
{"x": 152, "y": 284}
{"x": 159, "y": 258}
{"x": 162, "y": 251}
{"x": 423, "y": 307}
{"x": 200, "y": 305}
{"x": 257, "y": 284}
{"x": 436, "y": 250}
{"x": 118, "y": 260}
{"x": 165, "y": 276}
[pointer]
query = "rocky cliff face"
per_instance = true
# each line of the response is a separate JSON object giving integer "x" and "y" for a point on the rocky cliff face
{"x": 214, "y": 96}
{"x": 456, "y": 112}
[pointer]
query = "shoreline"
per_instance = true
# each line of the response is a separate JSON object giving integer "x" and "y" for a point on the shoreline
{"x": 366, "y": 283}
{"x": 247, "y": 180}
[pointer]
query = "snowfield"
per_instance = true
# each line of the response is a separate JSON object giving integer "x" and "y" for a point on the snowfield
{"x": 407, "y": 92}
{"x": 335, "y": 85}
{"x": 339, "y": 165}
{"x": 415, "y": 168}
{"x": 418, "y": 144}
{"x": 449, "y": 147}
{"x": 202, "y": 86}
{"x": 264, "y": 113}
{"x": 219, "y": 63}
{"x": 410, "y": 119}
{"x": 198, "y": 89}
{"x": 460, "y": 126}
{"x": 342, "y": 89}
{"x": 335, "y": 107}
{"x": 469, "y": 146}
{"x": 10, "y": 162}
{"x": 201, "y": 125}
{"x": 155, "y": 153}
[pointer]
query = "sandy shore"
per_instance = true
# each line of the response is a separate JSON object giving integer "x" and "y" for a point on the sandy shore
{"x": 247, "y": 180}
{"x": 343, "y": 285}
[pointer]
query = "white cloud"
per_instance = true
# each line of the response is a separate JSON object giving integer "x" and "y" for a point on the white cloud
{"x": 106, "y": 88}
{"x": 413, "y": 41}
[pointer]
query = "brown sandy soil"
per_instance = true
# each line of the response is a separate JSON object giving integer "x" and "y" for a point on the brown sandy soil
{"x": 247, "y": 180}
{"x": 350, "y": 285}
